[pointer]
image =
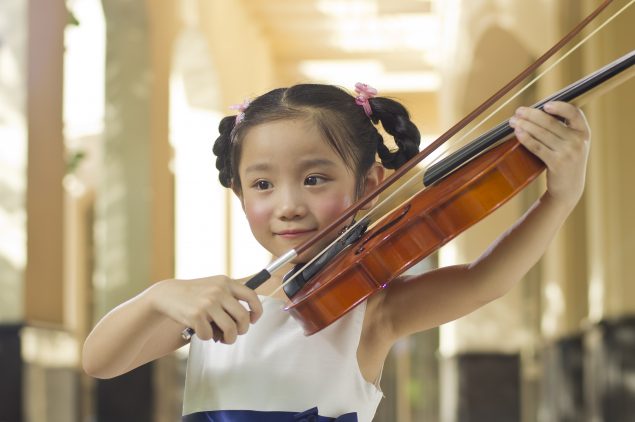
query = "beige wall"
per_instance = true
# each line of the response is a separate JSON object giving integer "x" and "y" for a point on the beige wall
{"x": 240, "y": 51}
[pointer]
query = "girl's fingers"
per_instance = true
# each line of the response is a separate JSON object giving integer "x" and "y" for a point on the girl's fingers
{"x": 536, "y": 147}
{"x": 549, "y": 124}
{"x": 574, "y": 117}
{"x": 540, "y": 132}
{"x": 536, "y": 132}
{"x": 226, "y": 323}
{"x": 203, "y": 329}
{"x": 219, "y": 313}
{"x": 242, "y": 292}
{"x": 239, "y": 314}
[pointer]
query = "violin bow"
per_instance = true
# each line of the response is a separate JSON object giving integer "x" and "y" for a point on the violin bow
{"x": 288, "y": 256}
{"x": 264, "y": 275}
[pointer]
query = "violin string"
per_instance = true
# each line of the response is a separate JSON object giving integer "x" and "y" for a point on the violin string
{"x": 423, "y": 168}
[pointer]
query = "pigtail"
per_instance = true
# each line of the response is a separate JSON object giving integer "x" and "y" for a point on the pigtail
{"x": 395, "y": 119}
{"x": 222, "y": 150}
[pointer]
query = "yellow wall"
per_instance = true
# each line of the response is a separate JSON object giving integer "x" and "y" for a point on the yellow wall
{"x": 240, "y": 51}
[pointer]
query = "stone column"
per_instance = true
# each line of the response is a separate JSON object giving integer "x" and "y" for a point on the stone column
{"x": 44, "y": 301}
{"x": 133, "y": 221}
{"x": 564, "y": 273}
{"x": 30, "y": 132}
{"x": 47, "y": 358}
{"x": 610, "y": 339}
{"x": 481, "y": 371}
{"x": 13, "y": 157}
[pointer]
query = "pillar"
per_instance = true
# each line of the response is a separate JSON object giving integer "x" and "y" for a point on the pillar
{"x": 609, "y": 343}
{"x": 133, "y": 216}
{"x": 32, "y": 162}
{"x": 483, "y": 354}
{"x": 564, "y": 274}
{"x": 13, "y": 162}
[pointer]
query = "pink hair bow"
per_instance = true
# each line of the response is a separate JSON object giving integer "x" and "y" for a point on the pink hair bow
{"x": 241, "y": 109}
{"x": 364, "y": 93}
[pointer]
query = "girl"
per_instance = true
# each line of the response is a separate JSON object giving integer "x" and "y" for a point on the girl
{"x": 297, "y": 158}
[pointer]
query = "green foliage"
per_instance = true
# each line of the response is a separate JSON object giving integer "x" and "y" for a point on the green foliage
{"x": 72, "y": 19}
{"x": 73, "y": 162}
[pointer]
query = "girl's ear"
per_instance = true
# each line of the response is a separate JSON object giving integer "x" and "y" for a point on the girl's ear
{"x": 373, "y": 178}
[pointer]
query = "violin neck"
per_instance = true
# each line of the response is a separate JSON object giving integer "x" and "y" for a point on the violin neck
{"x": 609, "y": 76}
{"x": 578, "y": 93}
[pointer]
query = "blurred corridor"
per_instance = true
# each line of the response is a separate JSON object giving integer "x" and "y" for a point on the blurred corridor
{"x": 108, "y": 112}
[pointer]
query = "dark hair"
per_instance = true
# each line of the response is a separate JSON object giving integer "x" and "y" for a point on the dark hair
{"x": 342, "y": 122}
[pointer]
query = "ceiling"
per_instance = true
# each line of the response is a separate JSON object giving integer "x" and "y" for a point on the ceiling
{"x": 391, "y": 42}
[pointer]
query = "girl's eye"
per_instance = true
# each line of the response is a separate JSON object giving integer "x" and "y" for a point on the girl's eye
{"x": 314, "y": 180}
{"x": 262, "y": 185}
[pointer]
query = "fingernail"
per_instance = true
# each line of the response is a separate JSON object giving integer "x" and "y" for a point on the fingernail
{"x": 548, "y": 106}
{"x": 520, "y": 111}
{"x": 512, "y": 121}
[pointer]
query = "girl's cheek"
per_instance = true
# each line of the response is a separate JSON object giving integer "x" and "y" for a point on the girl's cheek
{"x": 332, "y": 208}
{"x": 257, "y": 213}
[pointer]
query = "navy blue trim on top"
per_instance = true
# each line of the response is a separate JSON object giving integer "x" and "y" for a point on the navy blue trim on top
{"x": 310, "y": 415}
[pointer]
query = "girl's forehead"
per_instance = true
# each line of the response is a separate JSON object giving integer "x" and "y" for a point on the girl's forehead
{"x": 284, "y": 140}
{"x": 283, "y": 129}
{"x": 287, "y": 145}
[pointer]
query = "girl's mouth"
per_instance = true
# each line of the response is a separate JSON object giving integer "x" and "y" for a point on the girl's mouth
{"x": 295, "y": 233}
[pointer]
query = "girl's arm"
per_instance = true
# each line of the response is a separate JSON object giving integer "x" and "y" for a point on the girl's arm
{"x": 148, "y": 326}
{"x": 428, "y": 300}
{"x": 117, "y": 343}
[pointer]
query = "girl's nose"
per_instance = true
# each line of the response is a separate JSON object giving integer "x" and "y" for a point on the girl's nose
{"x": 291, "y": 206}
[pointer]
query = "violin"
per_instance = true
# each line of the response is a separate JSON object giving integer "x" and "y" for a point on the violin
{"x": 458, "y": 191}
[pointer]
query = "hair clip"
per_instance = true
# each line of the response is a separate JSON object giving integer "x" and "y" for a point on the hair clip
{"x": 364, "y": 93}
{"x": 241, "y": 109}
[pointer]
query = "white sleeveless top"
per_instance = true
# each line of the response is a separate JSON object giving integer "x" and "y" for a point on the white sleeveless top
{"x": 275, "y": 367}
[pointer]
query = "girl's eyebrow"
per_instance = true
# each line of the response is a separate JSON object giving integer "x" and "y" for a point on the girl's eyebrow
{"x": 303, "y": 164}
{"x": 258, "y": 167}
{"x": 316, "y": 162}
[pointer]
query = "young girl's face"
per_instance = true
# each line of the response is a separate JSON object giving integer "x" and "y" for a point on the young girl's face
{"x": 293, "y": 184}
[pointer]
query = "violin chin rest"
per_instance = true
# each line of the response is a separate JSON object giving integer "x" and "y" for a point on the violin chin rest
{"x": 292, "y": 288}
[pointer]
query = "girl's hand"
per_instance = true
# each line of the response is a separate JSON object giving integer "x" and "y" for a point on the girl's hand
{"x": 562, "y": 145}
{"x": 200, "y": 302}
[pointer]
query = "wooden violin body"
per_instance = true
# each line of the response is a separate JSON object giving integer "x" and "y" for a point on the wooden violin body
{"x": 419, "y": 227}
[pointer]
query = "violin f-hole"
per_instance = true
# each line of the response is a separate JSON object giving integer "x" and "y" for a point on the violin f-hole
{"x": 385, "y": 227}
